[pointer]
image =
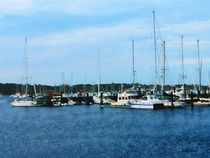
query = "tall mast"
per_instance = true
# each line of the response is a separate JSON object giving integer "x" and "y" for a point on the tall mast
{"x": 63, "y": 82}
{"x": 183, "y": 82}
{"x": 99, "y": 78}
{"x": 133, "y": 63}
{"x": 164, "y": 64}
{"x": 26, "y": 60}
{"x": 155, "y": 51}
{"x": 72, "y": 74}
{"x": 199, "y": 66}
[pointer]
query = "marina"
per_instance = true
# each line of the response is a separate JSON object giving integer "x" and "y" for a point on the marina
{"x": 104, "y": 79}
{"x": 128, "y": 99}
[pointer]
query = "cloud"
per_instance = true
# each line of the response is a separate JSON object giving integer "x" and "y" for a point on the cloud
{"x": 77, "y": 7}
{"x": 75, "y": 47}
{"x": 16, "y": 7}
{"x": 94, "y": 35}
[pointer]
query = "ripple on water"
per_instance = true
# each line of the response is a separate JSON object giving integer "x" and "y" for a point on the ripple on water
{"x": 88, "y": 131}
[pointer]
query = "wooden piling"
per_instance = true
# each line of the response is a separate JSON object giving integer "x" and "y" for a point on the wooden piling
{"x": 185, "y": 92}
{"x": 198, "y": 96}
{"x": 174, "y": 89}
{"x": 205, "y": 89}
{"x": 88, "y": 99}
{"x": 191, "y": 101}
{"x": 172, "y": 100}
{"x": 101, "y": 99}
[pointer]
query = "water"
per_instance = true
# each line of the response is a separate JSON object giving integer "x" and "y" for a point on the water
{"x": 91, "y": 132}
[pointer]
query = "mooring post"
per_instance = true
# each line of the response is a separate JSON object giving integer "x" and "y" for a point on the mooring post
{"x": 172, "y": 100}
{"x": 101, "y": 99}
{"x": 88, "y": 100}
{"x": 191, "y": 95}
{"x": 205, "y": 89}
{"x": 174, "y": 89}
{"x": 198, "y": 96}
{"x": 185, "y": 92}
{"x": 139, "y": 92}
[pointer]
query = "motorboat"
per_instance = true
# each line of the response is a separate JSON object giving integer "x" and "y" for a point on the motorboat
{"x": 124, "y": 98}
{"x": 146, "y": 102}
{"x": 23, "y": 103}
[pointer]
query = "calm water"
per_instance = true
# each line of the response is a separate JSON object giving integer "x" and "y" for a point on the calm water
{"x": 88, "y": 131}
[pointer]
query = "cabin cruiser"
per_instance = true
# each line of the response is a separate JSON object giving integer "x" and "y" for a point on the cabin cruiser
{"x": 146, "y": 102}
{"x": 124, "y": 98}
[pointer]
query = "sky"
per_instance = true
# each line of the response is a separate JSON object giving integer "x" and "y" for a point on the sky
{"x": 64, "y": 37}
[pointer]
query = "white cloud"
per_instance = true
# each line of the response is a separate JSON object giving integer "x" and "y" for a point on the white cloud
{"x": 189, "y": 28}
{"x": 94, "y": 35}
{"x": 81, "y": 7}
{"x": 19, "y": 7}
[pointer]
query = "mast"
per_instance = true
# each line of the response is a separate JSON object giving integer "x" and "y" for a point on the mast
{"x": 164, "y": 64}
{"x": 72, "y": 74}
{"x": 155, "y": 51}
{"x": 64, "y": 83}
{"x": 99, "y": 78}
{"x": 26, "y": 62}
{"x": 199, "y": 66}
{"x": 133, "y": 63}
{"x": 183, "y": 82}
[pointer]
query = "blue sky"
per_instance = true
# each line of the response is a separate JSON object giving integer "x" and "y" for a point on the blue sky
{"x": 64, "y": 35}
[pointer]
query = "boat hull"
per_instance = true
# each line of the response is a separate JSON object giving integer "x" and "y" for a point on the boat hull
{"x": 116, "y": 106}
{"x": 142, "y": 106}
{"x": 23, "y": 103}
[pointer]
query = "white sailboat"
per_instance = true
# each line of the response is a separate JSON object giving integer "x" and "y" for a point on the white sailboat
{"x": 97, "y": 98}
{"x": 24, "y": 102}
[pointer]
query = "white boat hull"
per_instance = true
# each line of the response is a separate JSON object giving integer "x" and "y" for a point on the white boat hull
{"x": 97, "y": 100}
{"x": 176, "y": 104}
{"x": 120, "y": 103}
{"x": 23, "y": 103}
{"x": 147, "y": 102}
{"x": 142, "y": 106}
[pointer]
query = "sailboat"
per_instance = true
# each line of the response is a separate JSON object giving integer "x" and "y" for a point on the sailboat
{"x": 97, "y": 98}
{"x": 24, "y": 102}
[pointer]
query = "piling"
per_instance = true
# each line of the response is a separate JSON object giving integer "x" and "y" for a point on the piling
{"x": 116, "y": 97}
{"x": 139, "y": 92}
{"x": 198, "y": 96}
{"x": 172, "y": 100}
{"x": 185, "y": 92}
{"x": 191, "y": 101}
{"x": 205, "y": 89}
{"x": 101, "y": 99}
{"x": 88, "y": 99}
{"x": 174, "y": 89}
